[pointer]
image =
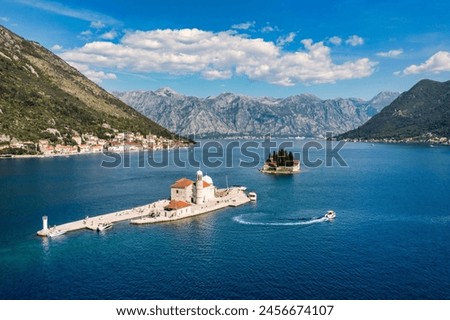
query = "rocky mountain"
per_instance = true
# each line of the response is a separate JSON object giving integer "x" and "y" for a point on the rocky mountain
{"x": 43, "y": 97}
{"x": 419, "y": 114}
{"x": 228, "y": 115}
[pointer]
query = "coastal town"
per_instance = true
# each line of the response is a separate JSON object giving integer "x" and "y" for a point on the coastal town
{"x": 88, "y": 143}
{"x": 428, "y": 138}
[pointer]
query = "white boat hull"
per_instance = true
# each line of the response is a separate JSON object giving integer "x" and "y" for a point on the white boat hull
{"x": 252, "y": 196}
{"x": 104, "y": 226}
{"x": 330, "y": 215}
{"x": 56, "y": 233}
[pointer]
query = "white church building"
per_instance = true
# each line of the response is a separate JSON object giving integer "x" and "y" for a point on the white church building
{"x": 184, "y": 193}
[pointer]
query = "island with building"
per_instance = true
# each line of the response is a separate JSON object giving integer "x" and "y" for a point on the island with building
{"x": 188, "y": 198}
{"x": 281, "y": 162}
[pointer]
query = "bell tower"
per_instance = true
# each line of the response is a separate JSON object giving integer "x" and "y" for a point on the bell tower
{"x": 199, "y": 188}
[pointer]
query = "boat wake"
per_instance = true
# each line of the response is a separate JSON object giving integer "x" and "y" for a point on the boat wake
{"x": 300, "y": 222}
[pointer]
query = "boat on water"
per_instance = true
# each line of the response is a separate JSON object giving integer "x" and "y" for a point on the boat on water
{"x": 104, "y": 226}
{"x": 330, "y": 215}
{"x": 55, "y": 233}
{"x": 243, "y": 188}
{"x": 252, "y": 196}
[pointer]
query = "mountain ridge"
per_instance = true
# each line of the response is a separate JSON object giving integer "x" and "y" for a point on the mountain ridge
{"x": 237, "y": 115}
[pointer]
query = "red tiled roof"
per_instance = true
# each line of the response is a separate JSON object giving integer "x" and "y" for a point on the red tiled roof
{"x": 175, "y": 205}
{"x": 182, "y": 183}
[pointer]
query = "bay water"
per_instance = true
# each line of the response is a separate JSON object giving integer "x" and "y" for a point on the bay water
{"x": 390, "y": 239}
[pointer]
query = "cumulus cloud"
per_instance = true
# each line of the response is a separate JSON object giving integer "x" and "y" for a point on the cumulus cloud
{"x": 218, "y": 55}
{"x": 56, "y": 47}
{"x": 335, "y": 40}
{"x": 110, "y": 35}
{"x": 390, "y": 53}
{"x": 96, "y": 76}
{"x": 244, "y": 26}
{"x": 283, "y": 40}
{"x": 354, "y": 40}
{"x": 439, "y": 62}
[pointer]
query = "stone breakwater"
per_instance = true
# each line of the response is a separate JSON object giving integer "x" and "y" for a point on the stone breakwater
{"x": 152, "y": 213}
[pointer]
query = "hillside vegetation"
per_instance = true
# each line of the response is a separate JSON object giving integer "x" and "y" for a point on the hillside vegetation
{"x": 43, "y": 97}
{"x": 420, "y": 114}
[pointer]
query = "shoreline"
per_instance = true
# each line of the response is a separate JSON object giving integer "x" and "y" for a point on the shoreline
{"x": 279, "y": 172}
{"x": 66, "y": 155}
{"x": 390, "y": 141}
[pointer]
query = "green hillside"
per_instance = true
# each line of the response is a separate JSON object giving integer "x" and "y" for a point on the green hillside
{"x": 39, "y": 92}
{"x": 423, "y": 111}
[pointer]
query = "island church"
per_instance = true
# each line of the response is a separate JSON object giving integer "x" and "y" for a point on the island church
{"x": 185, "y": 192}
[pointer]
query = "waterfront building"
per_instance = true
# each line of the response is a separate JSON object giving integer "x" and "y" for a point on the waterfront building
{"x": 198, "y": 192}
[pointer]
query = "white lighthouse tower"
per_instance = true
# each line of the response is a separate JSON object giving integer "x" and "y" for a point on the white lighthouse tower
{"x": 44, "y": 222}
{"x": 199, "y": 188}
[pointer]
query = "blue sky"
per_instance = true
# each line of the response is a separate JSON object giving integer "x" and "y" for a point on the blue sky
{"x": 260, "y": 48}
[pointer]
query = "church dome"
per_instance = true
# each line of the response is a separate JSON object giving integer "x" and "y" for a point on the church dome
{"x": 208, "y": 179}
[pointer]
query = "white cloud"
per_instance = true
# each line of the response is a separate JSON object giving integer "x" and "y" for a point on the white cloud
{"x": 281, "y": 41}
{"x": 4, "y": 19}
{"x": 244, "y": 26}
{"x": 56, "y": 47}
{"x": 218, "y": 55}
{"x": 97, "y": 25}
{"x": 63, "y": 10}
{"x": 335, "y": 40}
{"x": 85, "y": 35}
{"x": 96, "y": 76}
{"x": 109, "y": 35}
{"x": 354, "y": 40}
{"x": 390, "y": 53}
{"x": 217, "y": 74}
{"x": 268, "y": 28}
{"x": 439, "y": 62}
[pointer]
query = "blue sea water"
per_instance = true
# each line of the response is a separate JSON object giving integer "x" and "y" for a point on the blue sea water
{"x": 390, "y": 239}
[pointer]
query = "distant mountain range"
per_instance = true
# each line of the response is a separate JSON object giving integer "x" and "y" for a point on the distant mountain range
{"x": 43, "y": 97}
{"x": 233, "y": 115}
{"x": 421, "y": 114}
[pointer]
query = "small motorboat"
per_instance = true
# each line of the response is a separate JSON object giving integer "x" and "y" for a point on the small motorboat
{"x": 55, "y": 233}
{"x": 252, "y": 196}
{"x": 104, "y": 226}
{"x": 330, "y": 215}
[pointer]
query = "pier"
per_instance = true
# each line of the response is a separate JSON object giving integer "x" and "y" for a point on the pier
{"x": 155, "y": 212}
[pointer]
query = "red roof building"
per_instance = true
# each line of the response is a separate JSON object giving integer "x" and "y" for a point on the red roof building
{"x": 183, "y": 183}
{"x": 176, "y": 204}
